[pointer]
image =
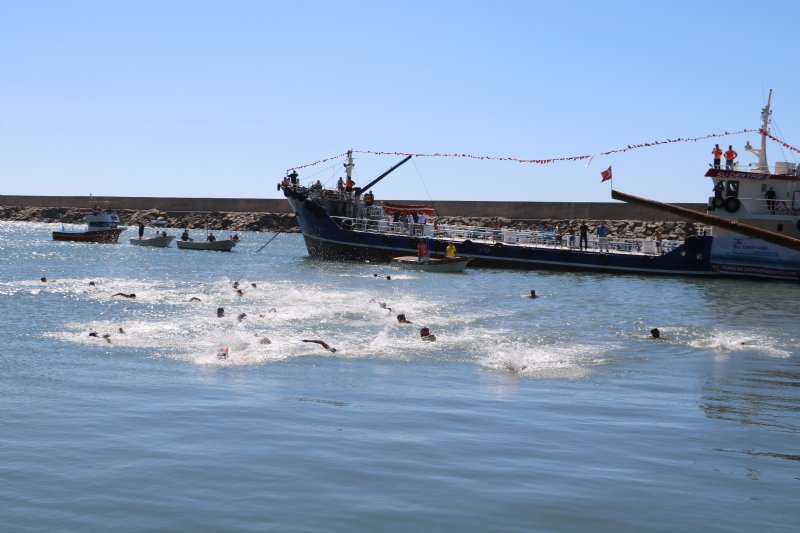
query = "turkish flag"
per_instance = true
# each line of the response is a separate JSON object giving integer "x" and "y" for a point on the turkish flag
{"x": 606, "y": 174}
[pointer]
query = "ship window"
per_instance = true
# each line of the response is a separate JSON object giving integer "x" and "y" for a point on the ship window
{"x": 732, "y": 189}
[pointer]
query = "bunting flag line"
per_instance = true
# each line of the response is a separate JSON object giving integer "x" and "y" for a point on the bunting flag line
{"x": 785, "y": 145}
{"x": 606, "y": 174}
{"x": 549, "y": 160}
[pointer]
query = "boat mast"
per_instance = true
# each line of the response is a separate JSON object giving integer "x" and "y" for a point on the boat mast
{"x": 349, "y": 165}
{"x": 761, "y": 153}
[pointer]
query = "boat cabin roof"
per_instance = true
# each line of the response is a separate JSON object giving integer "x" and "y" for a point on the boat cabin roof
{"x": 721, "y": 174}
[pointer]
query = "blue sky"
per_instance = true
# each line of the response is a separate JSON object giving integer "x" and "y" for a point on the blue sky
{"x": 218, "y": 99}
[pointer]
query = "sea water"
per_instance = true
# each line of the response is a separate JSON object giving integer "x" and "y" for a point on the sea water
{"x": 549, "y": 414}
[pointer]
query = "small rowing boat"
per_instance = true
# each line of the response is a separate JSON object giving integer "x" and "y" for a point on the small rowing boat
{"x": 162, "y": 241}
{"x": 442, "y": 264}
{"x": 218, "y": 246}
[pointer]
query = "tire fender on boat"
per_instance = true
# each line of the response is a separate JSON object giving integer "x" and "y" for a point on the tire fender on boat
{"x": 718, "y": 202}
{"x": 732, "y": 204}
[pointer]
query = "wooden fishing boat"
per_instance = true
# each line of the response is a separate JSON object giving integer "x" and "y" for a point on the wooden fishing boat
{"x": 433, "y": 264}
{"x": 225, "y": 245}
{"x": 161, "y": 241}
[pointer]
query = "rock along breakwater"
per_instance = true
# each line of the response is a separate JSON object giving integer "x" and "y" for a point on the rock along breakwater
{"x": 286, "y": 222}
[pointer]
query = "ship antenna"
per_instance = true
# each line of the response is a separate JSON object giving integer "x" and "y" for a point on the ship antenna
{"x": 349, "y": 165}
{"x": 761, "y": 153}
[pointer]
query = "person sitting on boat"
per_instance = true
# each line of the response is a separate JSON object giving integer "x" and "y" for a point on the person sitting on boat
{"x": 164, "y": 233}
{"x": 234, "y": 237}
{"x": 141, "y": 230}
{"x": 450, "y": 251}
{"x": 185, "y": 235}
{"x": 422, "y": 251}
{"x": 426, "y": 335}
{"x": 211, "y": 237}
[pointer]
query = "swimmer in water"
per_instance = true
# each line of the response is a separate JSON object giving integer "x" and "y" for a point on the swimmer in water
{"x": 321, "y": 343}
{"x": 655, "y": 334}
{"x": 120, "y": 330}
{"x": 44, "y": 280}
{"x": 194, "y": 299}
{"x": 223, "y": 353}
{"x": 383, "y": 305}
{"x": 124, "y": 295}
{"x": 241, "y": 316}
{"x": 220, "y": 312}
{"x": 263, "y": 340}
{"x": 426, "y": 335}
{"x": 93, "y": 334}
{"x": 239, "y": 292}
{"x": 235, "y": 284}
{"x": 107, "y": 337}
{"x": 513, "y": 367}
{"x": 91, "y": 283}
{"x": 402, "y": 319}
{"x": 533, "y": 293}
{"x": 253, "y": 285}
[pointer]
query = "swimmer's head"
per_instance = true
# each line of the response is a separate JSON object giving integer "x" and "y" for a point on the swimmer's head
{"x": 655, "y": 333}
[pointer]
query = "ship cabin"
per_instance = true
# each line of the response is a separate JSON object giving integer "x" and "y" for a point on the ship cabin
{"x": 766, "y": 199}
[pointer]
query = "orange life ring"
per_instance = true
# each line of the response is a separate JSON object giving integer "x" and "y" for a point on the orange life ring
{"x": 780, "y": 206}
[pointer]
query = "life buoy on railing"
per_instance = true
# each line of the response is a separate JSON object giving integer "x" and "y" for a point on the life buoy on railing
{"x": 347, "y": 224}
{"x": 732, "y": 204}
{"x": 718, "y": 202}
{"x": 780, "y": 206}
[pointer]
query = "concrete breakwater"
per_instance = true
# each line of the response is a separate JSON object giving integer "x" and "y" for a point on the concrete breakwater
{"x": 257, "y": 221}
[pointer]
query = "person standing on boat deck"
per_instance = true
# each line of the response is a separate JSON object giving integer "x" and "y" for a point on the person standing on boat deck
{"x": 770, "y": 196}
{"x": 602, "y": 236}
{"x": 185, "y": 235}
{"x": 658, "y": 238}
{"x": 450, "y": 251}
{"x": 559, "y": 236}
{"x": 340, "y": 185}
{"x": 211, "y": 237}
{"x": 717, "y": 153}
{"x": 571, "y": 233}
{"x": 583, "y": 243}
{"x": 730, "y": 155}
{"x": 141, "y": 230}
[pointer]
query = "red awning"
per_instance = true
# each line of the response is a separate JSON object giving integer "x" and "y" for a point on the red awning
{"x": 401, "y": 209}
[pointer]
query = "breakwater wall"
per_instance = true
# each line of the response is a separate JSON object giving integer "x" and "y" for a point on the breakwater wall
{"x": 454, "y": 208}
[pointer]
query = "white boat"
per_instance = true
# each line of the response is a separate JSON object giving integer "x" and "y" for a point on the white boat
{"x": 161, "y": 241}
{"x": 225, "y": 245}
{"x": 433, "y": 264}
{"x": 100, "y": 227}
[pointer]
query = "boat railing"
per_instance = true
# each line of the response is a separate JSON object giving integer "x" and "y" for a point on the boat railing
{"x": 761, "y": 206}
{"x": 478, "y": 234}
